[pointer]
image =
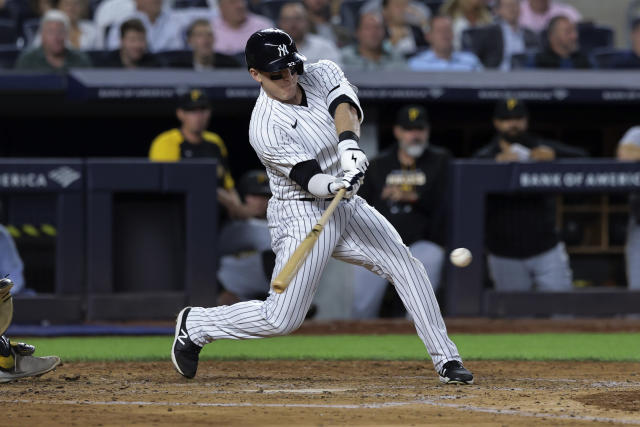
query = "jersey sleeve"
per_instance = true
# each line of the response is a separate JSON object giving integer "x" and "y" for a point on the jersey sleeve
{"x": 227, "y": 180}
{"x": 337, "y": 87}
{"x": 164, "y": 149}
{"x": 279, "y": 151}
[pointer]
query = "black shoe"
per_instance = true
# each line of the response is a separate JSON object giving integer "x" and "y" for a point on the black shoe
{"x": 454, "y": 373}
{"x": 184, "y": 352}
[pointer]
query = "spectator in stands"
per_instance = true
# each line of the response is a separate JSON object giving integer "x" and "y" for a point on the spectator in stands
{"x": 629, "y": 151}
{"x": 404, "y": 37}
{"x": 408, "y": 185}
{"x": 536, "y": 14}
{"x": 631, "y": 59}
{"x": 110, "y": 13}
{"x": 525, "y": 252}
{"x": 319, "y": 13}
{"x": 202, "y": 57}
{"x": 561, "y": 50}
{"x": 234, "y": 25}
{"x": 164, "y": 30}
{"x": 465, "y": 14}
{"x": 495, "y": 44}
{"x": 247, "y": 261}
{"x": 83, "y": 33}
{"x": 133, "y": 48}
{"x": 442, "y": 56}
{"x": 53, "y": 55}
{"x": 417, "y": 12}
{"x": 192, "y": 140}
{"x": 294, "y": 21}
{"x": 41, "y": 7}
{"x": 370, "y": 52}
{"x": 10, "y": 262}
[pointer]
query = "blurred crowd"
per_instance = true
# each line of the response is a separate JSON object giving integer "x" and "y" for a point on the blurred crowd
{"x": 420, "y": 35}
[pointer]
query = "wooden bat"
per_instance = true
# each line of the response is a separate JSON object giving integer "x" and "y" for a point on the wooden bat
{"x": 292, "y": 266}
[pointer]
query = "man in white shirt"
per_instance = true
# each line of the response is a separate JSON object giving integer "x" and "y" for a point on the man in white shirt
{"x": 441, "y": 56}
{"x": 164, "y": 30}
{"x": 536, "y": 14}
{"x": 294, "y": 21}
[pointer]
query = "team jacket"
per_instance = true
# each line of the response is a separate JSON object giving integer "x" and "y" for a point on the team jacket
{"x": 170, "y": 146}
{"x": 423, "y": 219}
{"x": 522, "y": 225}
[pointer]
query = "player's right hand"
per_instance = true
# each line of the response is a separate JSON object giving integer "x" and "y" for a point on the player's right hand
{"x": 351, "y": 181}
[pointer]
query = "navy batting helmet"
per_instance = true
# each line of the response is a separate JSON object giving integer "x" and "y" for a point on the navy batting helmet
{"x": 272, "y": 50}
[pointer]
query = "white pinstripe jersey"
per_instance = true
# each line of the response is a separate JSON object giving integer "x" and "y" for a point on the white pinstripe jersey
{"x": 284, "y": 135}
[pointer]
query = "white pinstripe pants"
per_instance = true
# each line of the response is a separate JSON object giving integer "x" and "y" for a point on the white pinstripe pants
{"x": 356, "y": 234}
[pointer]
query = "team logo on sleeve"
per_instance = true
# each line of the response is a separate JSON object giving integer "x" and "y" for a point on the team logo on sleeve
{"x": 282, "y": 50}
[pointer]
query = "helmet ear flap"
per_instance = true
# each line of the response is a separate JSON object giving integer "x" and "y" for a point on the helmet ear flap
{"x": 300, "y": 68}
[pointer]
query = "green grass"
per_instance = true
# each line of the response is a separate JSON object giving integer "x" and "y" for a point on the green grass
{"x": 577, "y": 346}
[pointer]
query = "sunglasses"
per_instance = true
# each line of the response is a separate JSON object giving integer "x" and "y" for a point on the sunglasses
{"x": 278, "y": 76}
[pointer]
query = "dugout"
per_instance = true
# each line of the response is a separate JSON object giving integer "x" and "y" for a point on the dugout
{"x": 106, "y": 114}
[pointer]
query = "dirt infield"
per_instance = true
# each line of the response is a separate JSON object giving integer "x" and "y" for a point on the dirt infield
{"x": 325, "y": 393}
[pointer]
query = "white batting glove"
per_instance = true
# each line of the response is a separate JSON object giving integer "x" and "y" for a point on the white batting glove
{"x": 352, "y": 157}
{"x": 351, "y": 181}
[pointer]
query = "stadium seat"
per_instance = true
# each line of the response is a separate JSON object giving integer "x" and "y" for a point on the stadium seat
{"x": 349, "y": 11}
{"x": 168, "y": 58}
{"x": 593, "y": 36}
{"x": 8, "y": 56}
{"x": 523, "y": 60}
{"x": 30, "y": 29}
{"x": 469, "y": 36}
{"x": 96, "y": 56}
{"x": 605, "y": 58}
{"x": 184, "y": 4}
{"x": 8, "y": 32}
{"x": 271, "y": 8}
{"x": 434, "y": 5}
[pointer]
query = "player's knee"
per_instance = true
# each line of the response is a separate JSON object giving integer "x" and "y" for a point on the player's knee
{"x": 286, "y": 325}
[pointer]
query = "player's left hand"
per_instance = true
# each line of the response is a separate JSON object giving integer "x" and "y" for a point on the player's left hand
{"x": 352, "y": 181}
{"x": 354, "y": 159}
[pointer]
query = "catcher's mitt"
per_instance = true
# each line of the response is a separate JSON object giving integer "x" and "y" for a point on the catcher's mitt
{"x": 6, "y": 304}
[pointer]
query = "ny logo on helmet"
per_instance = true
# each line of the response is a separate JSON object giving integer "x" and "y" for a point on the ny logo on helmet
{"x": 282, "y": 50}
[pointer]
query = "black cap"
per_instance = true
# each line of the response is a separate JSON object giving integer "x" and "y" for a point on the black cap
{"x": 272, "y": 50}
{"x": 255, "y": 182}
{"x": 412, "y": 117}
{"x": 510, "y": 108}
{"x": 195, "y": 99}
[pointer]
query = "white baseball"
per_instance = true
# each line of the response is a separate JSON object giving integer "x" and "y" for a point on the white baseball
{"x": 461, "y": 257}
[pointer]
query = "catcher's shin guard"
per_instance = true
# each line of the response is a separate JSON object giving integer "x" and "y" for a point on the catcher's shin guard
{"x": 6, "y": 304}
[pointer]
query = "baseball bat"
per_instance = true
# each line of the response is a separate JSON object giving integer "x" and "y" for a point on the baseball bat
{"x": 294, "y": 263}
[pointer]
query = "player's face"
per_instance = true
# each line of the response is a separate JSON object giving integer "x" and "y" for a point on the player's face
{"x": 411, "y": 139}
{"x": 195, "y": 121}
{"x": 281, "y": 85}
{"x": 511, "y": 128}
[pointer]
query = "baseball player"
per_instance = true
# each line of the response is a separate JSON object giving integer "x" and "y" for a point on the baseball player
{"x": 305, "y": 128}
{"x": 16, "y": 359}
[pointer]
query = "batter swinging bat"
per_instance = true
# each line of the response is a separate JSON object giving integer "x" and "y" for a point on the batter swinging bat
{"x": 292, "y": 266}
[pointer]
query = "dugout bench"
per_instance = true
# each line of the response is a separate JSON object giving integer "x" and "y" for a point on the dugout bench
{"x": 472, "y": 180}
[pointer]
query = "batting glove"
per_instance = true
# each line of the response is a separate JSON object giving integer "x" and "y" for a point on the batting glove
{"x": 351, "y": 181}
{"x": 352, "y": 157}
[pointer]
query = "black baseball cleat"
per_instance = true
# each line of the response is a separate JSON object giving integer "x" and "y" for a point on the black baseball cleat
{"x": 184, "y": 352}
{"x": 454, "y": 373}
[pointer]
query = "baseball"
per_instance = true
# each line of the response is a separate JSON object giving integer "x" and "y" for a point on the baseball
{"x": 461, "y": 257}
